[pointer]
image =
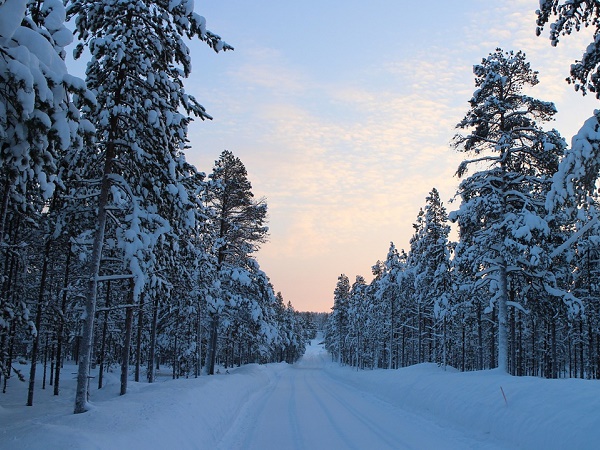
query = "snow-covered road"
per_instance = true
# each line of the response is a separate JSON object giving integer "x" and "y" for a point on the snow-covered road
{"x": 306, "y": 407}
{"x": 314, "y": 404}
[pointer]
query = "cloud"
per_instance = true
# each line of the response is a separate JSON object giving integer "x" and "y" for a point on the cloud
{"x": 346, "y": 160}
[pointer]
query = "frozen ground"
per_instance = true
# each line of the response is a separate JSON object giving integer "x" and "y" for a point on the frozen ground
{"x": 312, "y": 405}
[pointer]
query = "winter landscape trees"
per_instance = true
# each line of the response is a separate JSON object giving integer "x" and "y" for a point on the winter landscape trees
{"x": 115, "y": 250}
{"x": 517, "y": 290}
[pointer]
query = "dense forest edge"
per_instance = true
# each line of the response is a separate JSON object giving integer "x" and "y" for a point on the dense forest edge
{"x": 518, "y": 290}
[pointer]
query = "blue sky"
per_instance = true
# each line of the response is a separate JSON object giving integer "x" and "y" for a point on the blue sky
{"x": 343, "y": 111}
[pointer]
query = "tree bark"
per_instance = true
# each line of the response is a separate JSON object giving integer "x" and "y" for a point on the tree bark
{"x": 152, "y": 349}
{"x": 83, "y": 372}
{"x": 61, "y": 326}
{"x": 138, "y": 345}
{"x": 104, "y": 331}
{"x": 211, "y": 351}
{"x": 126, "y": 348}
{"x": 38, "y": 325}
{"x": 502, "y": 319}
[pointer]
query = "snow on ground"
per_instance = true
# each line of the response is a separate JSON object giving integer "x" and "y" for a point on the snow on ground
{"x": 314, "y": 404}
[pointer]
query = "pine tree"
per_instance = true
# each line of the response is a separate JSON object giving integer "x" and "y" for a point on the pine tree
{"x": 430, "y": 261}
{"x": 338, "y": 320}
{"x": 501, "y": 217}
{"x": 570, "y": 16}
{"x": 238, "y": 229}
{"x": 39, "y": 124}
{"x": 388, "y": 294}
{"x": 138, "y": 61}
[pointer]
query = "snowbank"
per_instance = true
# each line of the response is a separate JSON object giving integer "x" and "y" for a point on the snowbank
{"x": 183, "y": 414}
{"x": 537, "y": 413}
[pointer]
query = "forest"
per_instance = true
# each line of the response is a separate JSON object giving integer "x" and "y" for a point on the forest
{"x": 518, "y": 290}
{"x": 115, "y": 251}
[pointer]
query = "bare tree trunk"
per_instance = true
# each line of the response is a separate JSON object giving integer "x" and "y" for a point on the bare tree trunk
{"x": 126, "y": 347}
{"x": 513, "y": 341}
{"x": 38, "y": 324}
{"x": 211, "y": 351}
{"x": 81, "y": 394}
{"x": 554, "y": 350}
{"x": 4, "y": 207}
{"x": 152, "y": 349}
{"x": 11, "y": 349}
{"x": 104, "y": 331}
{"x": 420, "y": 336}
{"x": 138, "y": 345}
{"x": 175, "y": 350}
{"x": 479, "y": 338}
{"x": 45, "y": 361}
{"x": 502, "y": 319}
{"x": 198, "y": 343}
{"x": 61, "y": 326}
{"x": 392, "y": 332}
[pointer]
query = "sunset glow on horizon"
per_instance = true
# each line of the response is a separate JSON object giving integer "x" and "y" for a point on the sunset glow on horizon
{"x": 343, "y": 113}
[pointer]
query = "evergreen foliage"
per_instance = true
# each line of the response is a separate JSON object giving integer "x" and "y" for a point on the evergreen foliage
{"x": 517, "y": 289}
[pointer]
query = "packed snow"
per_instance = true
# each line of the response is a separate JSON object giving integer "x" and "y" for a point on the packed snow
{"x": 314, "y": 404}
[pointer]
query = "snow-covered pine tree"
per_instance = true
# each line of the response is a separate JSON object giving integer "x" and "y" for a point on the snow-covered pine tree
{"x": 39, "y": 124}
{"x": 501, "y": 217}
{"x": 388, "y": 296}
{"x": 337, "y": 329}
{"x": 357, "y": 317}
{"x": 138, "y": 61}
{"x": 430, "y": 261}
{"x": 565, "y": 17}
{"x": 575, "y": 184}
{"x": 237, "y": 228}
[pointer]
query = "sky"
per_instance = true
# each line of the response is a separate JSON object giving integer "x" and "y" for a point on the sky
{"x": 343, "y": 113}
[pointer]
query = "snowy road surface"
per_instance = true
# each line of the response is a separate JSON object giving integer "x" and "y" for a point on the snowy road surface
{"x": 305, "y": 407}
{"x": 314, "y": 404}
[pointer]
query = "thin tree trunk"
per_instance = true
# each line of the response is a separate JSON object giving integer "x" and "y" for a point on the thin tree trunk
{"x": 11, "y": 348}
{"x": 45, "y": 361}
{"x": 391, "y": 344}
{"x": 138, "y": 345}
{"x": 152, "y": 349}
{"x": 52, "y": 365}
{"x": 126, "y": 347}
{"x": 198, "y": 343}
{"x": 513, "y": 342}
{"x": 104, "y": 332}
{"x": 38, "y": 325}
{"x": 211, "y": 351}
{"x": 554, "y": 350}
{"x": 83, "y": 372}
{"x": 4, "y": 207}
{"x": 175, "y": 331}
{"x": 502, "y": 319}
{"x": 61, "y": 325}
{"x": 479, "y": 338}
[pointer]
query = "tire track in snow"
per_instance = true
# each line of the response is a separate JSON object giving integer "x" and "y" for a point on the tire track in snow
{"x": 326, "y": 411}
{"x": 242, "y": 429}
{"x": 383, "y": 433}
{"x": 298, "y": 440}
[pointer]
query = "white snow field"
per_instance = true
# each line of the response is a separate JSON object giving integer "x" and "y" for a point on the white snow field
{"x": 314, "y": 404}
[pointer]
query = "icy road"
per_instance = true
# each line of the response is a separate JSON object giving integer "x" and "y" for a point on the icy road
{"x": 306, "y": 407}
